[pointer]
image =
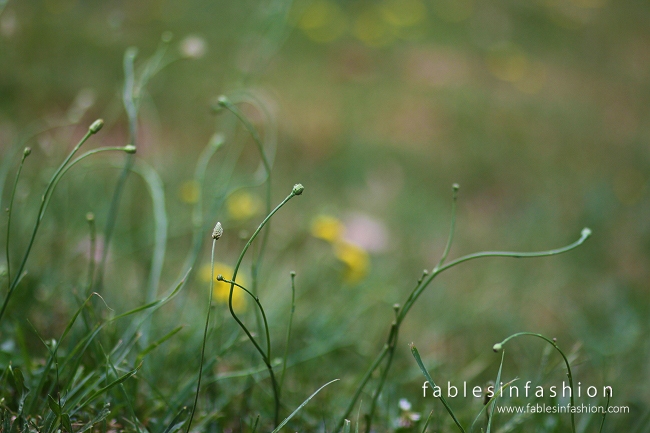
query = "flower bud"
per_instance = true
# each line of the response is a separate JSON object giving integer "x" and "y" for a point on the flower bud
{"x": 96, "y": 126}
{"x": 90, "y": 217}
{"x": 298, "y": 189}
{"x": 497, "y": 347}
{"x": 217, "y": 232}
{"x": 130, "y": 149}
{"x": 586, "y": 232}
{"x": 27, "y": 152}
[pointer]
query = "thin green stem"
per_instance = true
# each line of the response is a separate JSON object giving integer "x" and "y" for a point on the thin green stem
{"x": 602, "y": 421}
{"x": 452, "y": 227}
{"x": 259, "y": 305}
{"x": 426, "y": 281}
{"x": 93, "y": 129}
{"x": 418, "y": 291}
{"x": 90, "y": 217}
{"x": 226, "y": 103}
{"x": 9, "y": 210}
{"x": 132, "y": 114}
{"x": 288, "y": 339}
{"x": 384, "y": 376}
{"x": 362, "y": 385}
{"x": 205, "y": 338}
{"x": 297, "y": 190}
{"x": 499, "y": 346}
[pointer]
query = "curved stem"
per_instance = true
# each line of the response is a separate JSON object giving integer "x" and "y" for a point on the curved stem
{"x": 259, "y": 305}
{"x": 94, "y": 128}
{"x": 9, "y": 209}
{"x": 265, "y": 356}
{"x": 424, "y": 283}
{"x": 497, "y": 347}
{"x": 452, "y": 227}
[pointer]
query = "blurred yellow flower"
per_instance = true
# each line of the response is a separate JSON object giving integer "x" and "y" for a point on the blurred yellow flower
{"x": 189, "y": 191}
{"x": 242, "y": 205}
{"x": 356, "y": 260}
{"x": 328, "y": 228}
{"x": 323, "y": 21}
{"x": 221, "y": 291}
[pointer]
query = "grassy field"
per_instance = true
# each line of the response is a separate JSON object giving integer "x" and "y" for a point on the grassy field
{"x": 293, "y": 214}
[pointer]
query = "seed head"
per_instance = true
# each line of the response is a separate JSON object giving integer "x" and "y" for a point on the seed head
{"x": 217, "y": 232}
{"x": 298, "y": 189}
{"x": 96, "y": 126}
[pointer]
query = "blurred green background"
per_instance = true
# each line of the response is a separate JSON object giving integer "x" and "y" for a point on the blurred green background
{"x": 540, "y": 110}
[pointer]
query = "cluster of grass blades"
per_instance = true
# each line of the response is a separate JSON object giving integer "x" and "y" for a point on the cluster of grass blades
{"x": 97, "y": 376}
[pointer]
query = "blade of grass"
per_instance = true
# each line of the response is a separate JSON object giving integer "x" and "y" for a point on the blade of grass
{"x": 304, "y": 403}
{"x": 442, "y": 399}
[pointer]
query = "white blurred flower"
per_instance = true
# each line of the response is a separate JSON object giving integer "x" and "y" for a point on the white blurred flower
{"x": 193, "y": 47}
{"x": 404, "y": 404}
{"x": 407, "y": 418}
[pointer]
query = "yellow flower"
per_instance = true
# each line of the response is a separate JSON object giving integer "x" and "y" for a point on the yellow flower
{"x": 189, "y": 192}
{"x": 327, "y": 228}
{"x": 243, "y": 205}
{"x": 221, "y": 291}
{"x": 356, "y": 260}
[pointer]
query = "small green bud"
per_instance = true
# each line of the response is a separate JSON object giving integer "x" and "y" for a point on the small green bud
{"x": 217, "y": 140}
{"x": 96, "y": 126}
{"x": 292, "y": 273}
{"x": 455, "y": 187}
{"x": 586, "y": 232}
{"x": 223, "y": 101}
{"x": 27, "y": 152}
{"x": 497, "y": 347}
{"x": 130, "y": 149}
{"x": 298, "y": 189}
{"x": 90, "y": 217}
{"x": 219, "y": 277}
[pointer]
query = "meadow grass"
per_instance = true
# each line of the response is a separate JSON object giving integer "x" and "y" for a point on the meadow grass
{"x": 149, "y": 367}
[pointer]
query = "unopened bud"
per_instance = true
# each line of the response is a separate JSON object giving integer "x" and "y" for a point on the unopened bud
{"x": 27, "y": 152}
{"x": 455, "y": 187}
{"x": 217, "y": 232}
{"x": 90, "y": 217}
{"x": 497, "y": 347}
{"x": 96, "y": 126}
{"x": 219, "y": 277}
{"x": 217, "y": 140}
{"x": 130, "y": 149}
{"x": 223, "y": 101}
{"x": 298, "y": 189}
{"x": 586, "y": 232}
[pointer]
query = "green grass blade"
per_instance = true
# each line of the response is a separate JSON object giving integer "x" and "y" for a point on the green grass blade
{"x": 416, "y": 355}
{"x": 304, "y": 403}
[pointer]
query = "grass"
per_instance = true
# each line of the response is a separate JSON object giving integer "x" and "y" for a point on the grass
{"x": 111, "y": 324}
